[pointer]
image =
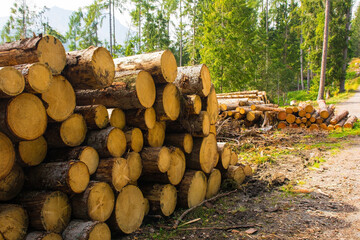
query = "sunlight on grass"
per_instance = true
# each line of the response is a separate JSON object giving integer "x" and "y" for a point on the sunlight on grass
{"x": 344, "y": 132}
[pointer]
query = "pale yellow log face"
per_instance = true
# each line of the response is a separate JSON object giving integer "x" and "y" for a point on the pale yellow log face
{"x": 78, "y": 177}
{"x": 168, "y": 66}
{"x": 156, "y": 135}
{"x": 33, "y": 152}
{"x": 177, "y": 167}
{"x": 135, "y": 166}
{"x": 137, "y": 140}
{"x": 145, "y": 89}
{"x": 101, "y": 116}
{"x": 214, "y": 183}
{"x": 168, "y": 199}
{"x": 150, "y": 118}
{"x": 164, "y": 159}
{"x": 197, "y": 189}
{"x": 208, "y": 153}
{"x": 51, "y": 52}
{"x": 188, "y": 143}
{"x": 212, "y": 106}
{"x": 120, "y": 174}
{"x": 205, "y": 123}
{"x": 197, "y": 104}
{"x": 206, "y": 80}
{"x": 73, "y": 130}
{"x": 12, "y": 82}
{"x": 7, "y": 154}
{"x": 101, "y": 202}
{"x": 117, "y": 118}
{"x": 52, "y": 236}
{"x": 90, "y": 157}
{"x": 171, "y": 101}
{"x": 26, "y": 116}
{"x": 40, "y": 77}
{"x": 103, "y": 67}
{"x": 13, "y": 222}
{"x": 101, "y": 231}
{"x": 226, "y": 156}
{"x": 116, "y": 142}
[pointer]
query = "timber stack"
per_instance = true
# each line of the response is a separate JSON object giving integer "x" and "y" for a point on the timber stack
{"x": 91, "y": 144}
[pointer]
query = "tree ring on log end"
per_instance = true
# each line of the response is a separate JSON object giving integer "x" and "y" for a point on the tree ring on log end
{"x": 100, "y": 231}
{"x": 103, "y": 67}
{"x": 205, "y": 123}
{"x": 150, "y": 118}
{"x": 26, "y": 116}
{"x": 226, "y": 156}
{"x": 33, "y": 152}
{"x": 206, "y": 80}
{"x": 197, "y": 104}
{"x": 234, "y": 158}
{"x": 101, "y": 116}
{"x": 120, "y": 174}
{"x": 78, "y": 177}
{"x": 197, "y": 189}
{"x": 212, "y": 106}
{"x": 168, "y": 66}
{"x": 90, "y": 157}
{"x": 156, "y": 135}
{"x": 12, "y": 83}
{"x": 117, "y": 118}
{"x": 164, "y": 159}
{"x": 168, "y": 199}
{"x": 188, "y": 143}
{"x": 213, "y": 184}
{"x": 145, "y": 89}
{"x": 7, "y": 154}
{"x": 116, "y": 142}
{"x": 40, "y": 77}
{"x": 171, "y": 101}
{"x": 51, "y": 52}
{"x": 137, "y": 140}
{"x": 208, "y": 153}
{"x": 177, "y": 166}
{"x": 101, "y": 202}
{"x": 73, "y": 130}
{"x": 134, "y": 163}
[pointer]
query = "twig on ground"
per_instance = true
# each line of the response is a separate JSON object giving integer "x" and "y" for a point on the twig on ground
{"x": 191, "y": 221}
{"x": 221, "y": 125}
{"x": 217, "y": 227}
{"x": 198, "y": 205}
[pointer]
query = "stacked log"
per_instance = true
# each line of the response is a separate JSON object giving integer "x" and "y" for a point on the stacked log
{"x": 104, "y": 140}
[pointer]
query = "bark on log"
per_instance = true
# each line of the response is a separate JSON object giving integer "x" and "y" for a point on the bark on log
{"x": 38, "y": 77}
{"x": 69, "y": 133}
{"x": 129, "y": 210}
{"x": 12, "y": 82}
{"x": 235, "y": 173}
{"x": 108, "y": 142}
{"x": 210, "y": 104}
{"x": 155, "y": 160}
{"x": 23, "y": 117}
{"x": 180, "y": 140}
{"x": 307, "y": 107}
{"x": 323, "y": 109}
{"x": 117, "y": 118}
{"x": 196, "y": 125}
{"x": 47, "y": 50}
{"x": 11, "y": 185}
{"x": 350, "y": 122}
{"x": 161, "y": 65}
{"x": 167, "y": 103}
{"x": 134, "y": 139}
{"x": 86, "y": 230}
{"x": 265, "y": 108}
{"x": 31, "y": 153}
{"x": 339, "y": 116}
{"x": 253, "y": 115}
{"x": 13, "y": 222}
{"x": 192, "y": 189}
{"x": 7, "y": 154}
{"x": 155, "y": 137}
{"x": 194, "y": 80}
{"x": 49, "y": 211}
{"x": 341, "y": 123}
{"x": 69, "y": 177}
{"x": 89, "y": 68}
{"x": 96, "y": 116}
{"x": 59, "y": 99}
{"x": 225, "y": 153}
{"x": 141, "y": 118}
{"x": 114, "y": 171}
{"x": 213, "y": 183}
{"x": 191, "y": 104}
{"x": 42, "y": 236}
{"x": 162, "y": 198}
{"x": 95, "y": 203}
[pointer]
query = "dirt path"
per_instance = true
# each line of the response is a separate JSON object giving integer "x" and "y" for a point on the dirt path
{"x": 352, "y": 104}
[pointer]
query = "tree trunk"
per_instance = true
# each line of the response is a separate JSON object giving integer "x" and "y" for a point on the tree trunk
{"x": 213, "y": 183}
{"x": 85, "y": 154}
{"x": 323, "y": 109}
{"x": 86, "y": 230}
{"x": 141, "y": 118}
{"x": 180, "y": 140}
{"x": 49, "y": 211}
{"x": 38, "y": 77}
{"x": 192, "y": 189}
{"x": 96, "y": 116}
{"x": 69, "y": 133}
{"x": 196, "y": 125}
{"x": 155, "y": 137}
{"x": 47, "y": 50}
{"x": 324, "y": 52}
{"x": 13, "y": 221}
{"x": 91, "y": 68}
{"x": 194, "y": 80}
{"x": 43, "y": 236}
{"x": 345, "y": 51}
{"x": 117, "y": 118}
{"x": 161, "y": 65}
{"x": 114, "y": 171}
{"x": 96, "y": 203}
{"x": 7, "y": 154}
{"x": 162, "y": 198}
{"x": 167, "y": 103}
{"x": 350, "y": 122}
{"x": 338, "y": 117}
{"x": 108, "y": 142}
{"x": 12, "y": 82}
{"x": 11, "y": 185}
{"x": 210, "y": 104}
{"x": 69, "y": 177}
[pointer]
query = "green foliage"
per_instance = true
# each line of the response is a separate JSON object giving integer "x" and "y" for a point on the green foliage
{"x": 75, "y": 27}
{"x": 355, "y": 35}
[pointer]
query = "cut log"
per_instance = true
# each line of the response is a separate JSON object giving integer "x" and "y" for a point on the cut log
{"x": 196, "y": 125}
{"x": 350, "y": 122}
{"x": 180, "y": 140}
{"x": 89, "y": 68}
{"x": 49, "y": 211}
{"x": 161, "y": 65}
{"x": 213, "y": 183}
{"x": 304, "y": 120}
{"x": 11, "y": 185}
{"x": 129, "y": 210}
{"x": 330, "y": 127}
{"x": 244, "y": 110}
{"x": 86, "y": 230}
{"x": 141, "y": 118}
{"x": 85, "y": 154}
{"x": 191, "y": 104}
{"x": 134, "y": 139}
{"x": 108, "y": 142}
{"x": 282, "y": 125}
{"x": 23, "y": 117}
{"x": 12, "y": 82}
{"x": 265, "y": 108}
{"x": 308, "y": 115}
{"x": 96, "y": 116}
{"x": 281, "y": 116}
{"x": 293, "y": 125}
{"x": 155, "y": 137}
{"x": 69, "y": 177}
{"x": 47, "y": 50}
{"x": 162, "y": 198}
{"x": 71, "y": 132}
{"x": 295, "y": 109}
{"x": 155, "y": 160}
{"x": 31, "y": 153}
{"x": 13, "y": 222}
{"x": 210, "y": 104}
{"x": 234, "y": 158}
{"x": 95, "y": 203}
{"x": 7, "y": 154}
{"x": 194, "y": 80}
{"x": 247, "y": 170}
{"x": 114, "y": 171}
{"x": 314, "y": 127}
{"x": 235, "y": 173}
{"x": 307, "y": 107}
{"x": 339, "y": 116}
{"x": 301, "y": 113}
{"x": 59, "y": 99}
{"x": 134, "y": 163}
{"x": 204, "y": 154}
{"x": 290, "y": 118}
{"x": 340, "y": 124}
{"x": 253, "y": 115}
{"x": 117, "y": 118}
{"x": 289, "y": 110}
{"x": 225, "y": 152}
{"x": 213, "y": 129}
{"x": 298, "y": 120}
{"x": 192, "y": 189}
{"x": 38, "y": 77}
{"x": 167, "y": 103}
{"x": 323, "y": 109}
{"x": 42, "y": 236}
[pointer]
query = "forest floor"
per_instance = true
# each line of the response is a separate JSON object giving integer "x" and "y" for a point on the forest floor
{"x": 306, "y": 186}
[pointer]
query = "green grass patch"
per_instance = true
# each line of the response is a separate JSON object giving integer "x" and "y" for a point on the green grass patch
{"x": 344, "y": 132}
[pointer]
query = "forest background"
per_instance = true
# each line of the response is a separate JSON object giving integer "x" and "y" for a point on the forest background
{"x": 270, "y": 45}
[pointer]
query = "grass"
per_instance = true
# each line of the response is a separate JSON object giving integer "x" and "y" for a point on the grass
{"x": 344, "y": 132}
{"x": 260, "y": 156}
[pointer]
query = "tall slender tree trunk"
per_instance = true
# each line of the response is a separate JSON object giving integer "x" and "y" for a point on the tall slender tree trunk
{"x": 345, "y": 51}
{"x": 139, "y": 27}
{"x": 24, "y": 19}
{"x": 181, "y": 31}
{"x": 114, "y": 28}
{"x": 110, "y": 26}
{"x": 324, "y": 52}
{"x": 267, "y": 39}
{"x": 301, "y": 64}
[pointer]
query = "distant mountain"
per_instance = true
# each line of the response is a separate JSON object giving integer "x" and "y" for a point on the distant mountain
{"x": 59, "y": 18}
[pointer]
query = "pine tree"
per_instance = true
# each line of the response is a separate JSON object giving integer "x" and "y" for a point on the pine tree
{"x": 75, "y": 27}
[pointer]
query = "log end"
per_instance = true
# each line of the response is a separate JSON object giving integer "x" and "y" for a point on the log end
{"x": 204, "y": 115}
{"x": 73, "y": 130}
{"x": 177, "y": 166}
{"x": 188, "y": 143}
{"x": 171, "y": 101}
{"x": 101, "y": 201}
{"x": 120, "y": 174}
{"x": 101, "y": 116}
{"x": 168, "y": 199}
{"x": 225, "y": 155}
{"x": 134, "y": 163}
{"x": 32, "y": 153}
{"x": 168, "y": 66}
{"x": 39, "y": 78}
{"x": 100, "y": 231}
{"x": 103, "y": 67}
{"x": 236, "y": 173}
{"x": 137, "y": 140}
{"x": 117, "y": 118}
{"x": 78, "y": 177}
{"x": 116, "y": 142}
{"x": 12, "y": 184}
{"x": 208, "y": 153}
{"x": 51, "y": 52}
{"x": 164, "y": 160}
{"x": 26, "y": 116}
{"x": 213, "y": 183}
{"x": 7, "y": 154}
{"x": 206, "y": 80}
{"x": 150, "y": 118}
{"x": 90, "y": 157}
{"x": 145, "y": 89}
{"x": 13, "y": 221}
{"x": 12, "y": 83}
{"x": 212, "y": 106}
{"x": 197, "y": 189}
{"x": 156, "y": 135}
{"x": 234, "y": 158}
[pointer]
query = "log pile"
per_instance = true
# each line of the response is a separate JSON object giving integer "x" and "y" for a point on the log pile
{"x": 91, "y": 144}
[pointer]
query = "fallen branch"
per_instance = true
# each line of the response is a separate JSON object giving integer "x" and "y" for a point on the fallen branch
{"x": 205, "y": 201}
{"x": 219, "y": 228}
